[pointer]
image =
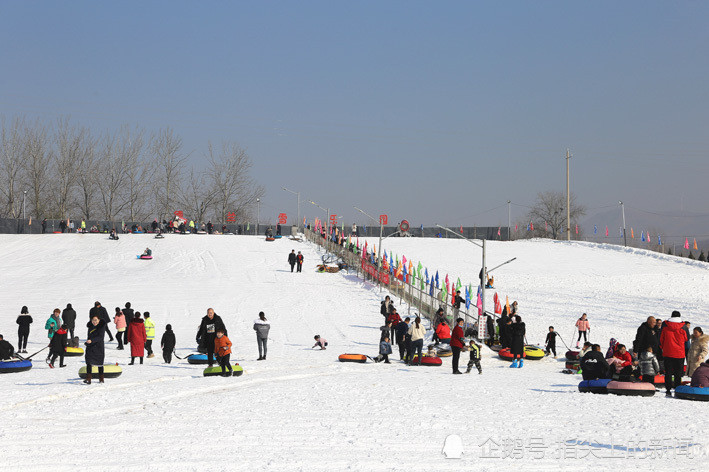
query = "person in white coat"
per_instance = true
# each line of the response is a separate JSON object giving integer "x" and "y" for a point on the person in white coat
{"x": 262, "y": 327}
{"x": 417, "y": 332}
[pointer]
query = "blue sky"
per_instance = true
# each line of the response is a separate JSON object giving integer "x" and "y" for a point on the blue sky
{"x": 430, "y": 111}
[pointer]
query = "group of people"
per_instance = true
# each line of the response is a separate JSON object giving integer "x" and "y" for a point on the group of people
{"x": 660, "y": 347}
{"x": 295, "y": 259}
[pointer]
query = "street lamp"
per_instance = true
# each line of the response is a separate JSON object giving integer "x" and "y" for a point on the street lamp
{"x": 24, "y": 196}
{"x": 381, "y": 230}
{"x": 258, "y": 214}
{"x": 625, "y": 238}
{"x": 327, "y": 222}
{"x": 298, "y": 194}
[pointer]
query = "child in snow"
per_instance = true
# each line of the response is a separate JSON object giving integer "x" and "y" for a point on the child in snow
{"x": 147, "y": 252}
{"x": 474, "y": 358}
{"x": 167, "y": 343}
{"x": 57, "y": 347}
{"x": 322, "y": 342}
{"x": 612, "y": 345}
{"x": 622, "y": 361}
{"x": 430, "y": 352}
{"x": 649, "y": 367}
{"x": 384, "y": 351}
{"x": 551, "y": 341}
{"x": 222, "y": 349}
{"x": 583, "y": 326}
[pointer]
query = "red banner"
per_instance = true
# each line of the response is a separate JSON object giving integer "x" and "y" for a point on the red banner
{"x": 383, "y": 219}
{"x": 381, "y": 275}
{"x": 282, "y": 218}
{"x": 333, "y": 220}
{"x": 231, "y": 217}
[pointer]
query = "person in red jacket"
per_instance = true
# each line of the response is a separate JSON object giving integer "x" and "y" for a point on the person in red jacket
{"x": 394, "y": 319}
{"x": 443, "y": 332}
{"x": 137, "y": 338}
{"x": 222, "y": 349}
{"x": 672, "y": 339}
{"x": 457, "y": 343}
{"x": 624, "y": 365}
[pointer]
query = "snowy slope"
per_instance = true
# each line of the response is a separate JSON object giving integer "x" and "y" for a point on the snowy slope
{"x": 301, "y": 409}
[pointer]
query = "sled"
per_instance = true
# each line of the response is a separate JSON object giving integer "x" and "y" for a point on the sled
{"x": 110, "y": 371}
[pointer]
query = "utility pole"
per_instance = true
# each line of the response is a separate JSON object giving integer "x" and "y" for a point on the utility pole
{"x": 568, "y": 197}
{"x": 509, "y": 220}
{"x": 258, "y": 214}
{"x": 625, "y": 238}
{"x": 298, "y": 194}
{"x": 24, "y": 196}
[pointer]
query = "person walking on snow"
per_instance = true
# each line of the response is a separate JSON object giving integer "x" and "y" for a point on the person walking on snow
{"x": 69, "y": 319}
{"x": 417, "y": 332}
{"x": 299, "y": 262}
{"x": 401, "y": 329}
{"x": 384, "y": 351}
{"x": 551, "y": 341}
{"x": 208, "y": 333}
{"x": 95, "y": 349}
{"x": 119, "y": 320}
{"x": 292, "y": 259}
{"x": 24, "y": 320}
{"x": 222, "y": 348}
{"x": 386, "y": 307}
{"x": 167, "y": 343}
{"x": 583, "y": 326}
{"x": 474, "y": 349}
{"x": 672, "y": 341}
{"x": 57, "y": 347}
{"x": 137, "y": 338}
{"x": 149, "y": 334}
{"x": 129, "y": 315}
{"x": 517, "y": 333}
{"x": 102, "y": 314}
{"x": 262, "y": 328}
{"x": 457, "y": 343}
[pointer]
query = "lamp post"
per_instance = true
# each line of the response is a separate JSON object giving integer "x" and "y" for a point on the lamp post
{"x": 24, "y": 196}
{"x": 625, "y": 238}
{"x": 327, "y": 223}
{"x": 381, "y": 231}
{"x": 298, "y": 194}
{"x": 258, "y": 214}
{"x": 509, "y": 220}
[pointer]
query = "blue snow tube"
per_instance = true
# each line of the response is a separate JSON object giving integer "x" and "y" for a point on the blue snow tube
{"x": 692, "y": 393}
{"x": 198, "y": 359}
{"x": 9, "y": 367}
{"x": 594, "y": 386}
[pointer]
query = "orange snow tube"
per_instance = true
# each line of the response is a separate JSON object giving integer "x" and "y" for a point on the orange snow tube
{"x": 361, "y": 358}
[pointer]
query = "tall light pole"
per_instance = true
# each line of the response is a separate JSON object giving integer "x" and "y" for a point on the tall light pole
{"x": 298, "y": 194}
{"x": 509, "y": 220}
{"x": 381, "y": 231}
{"x": 625, "y": 238}
{"x": 568, "y": 197}
{"x": 24, "y": 196}
{"x": 258, "y": 214}
{"x": 327, "y": 223}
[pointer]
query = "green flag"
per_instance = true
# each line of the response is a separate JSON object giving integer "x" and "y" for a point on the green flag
{"x": 458, "y": 284}
{"x": 248, "y": 226}
{"x": 419, "y": 269}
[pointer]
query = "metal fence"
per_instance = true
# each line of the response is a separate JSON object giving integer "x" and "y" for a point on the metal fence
{"x": 410, "y": 290}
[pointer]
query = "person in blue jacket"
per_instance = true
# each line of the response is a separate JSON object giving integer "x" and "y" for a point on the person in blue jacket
{"x": 384, "y": 351}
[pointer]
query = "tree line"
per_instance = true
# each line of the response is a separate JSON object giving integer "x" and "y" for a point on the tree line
{"x": 62, "y": 170}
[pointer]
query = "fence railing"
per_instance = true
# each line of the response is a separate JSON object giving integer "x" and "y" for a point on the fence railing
{"x": 410, "y": 290}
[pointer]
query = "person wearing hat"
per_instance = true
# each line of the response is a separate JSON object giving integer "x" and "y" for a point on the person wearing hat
{"x": 672, "y": 341}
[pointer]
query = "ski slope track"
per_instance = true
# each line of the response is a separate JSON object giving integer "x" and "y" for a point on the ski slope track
{"x": 303, "y": 410}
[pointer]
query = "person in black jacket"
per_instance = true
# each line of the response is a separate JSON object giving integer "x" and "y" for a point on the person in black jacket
{"x": 646, "y": 336}
{"x": 299, "y": 262}
{"x": 69, "y": 319}
{"x": 594, "y": 365}
{"x": 102, "y": 314}
{"x": 95, "y": 348}
{"x": 6, "y": 349}
{"x": 207, "y": 333}
{"x": 551, "y": 341}
{"x": 517, "y": 330}
{"x": 502, "y": 326}
{"x": 168, "y": 343}
{"x": 401, "y": 329}
{"x": 386, "y": 307}
{"x": 292, "y": 259}
{"x": 44, "y": 225}
{"x": 23, "y": 329}
{"x": 129, "y": 314}
{"x": 490, "y": 325}
{"x": 57, "y": 346}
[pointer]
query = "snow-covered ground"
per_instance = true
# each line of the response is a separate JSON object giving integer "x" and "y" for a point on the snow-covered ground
{"x": 303, "y": 410}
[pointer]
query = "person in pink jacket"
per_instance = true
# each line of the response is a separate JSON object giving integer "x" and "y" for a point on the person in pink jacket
{"x": 584, "y": 327}
{"x": 120, "y": 321}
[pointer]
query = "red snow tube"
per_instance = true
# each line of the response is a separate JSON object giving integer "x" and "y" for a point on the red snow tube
{"x": 506, "y": 355}
{"x": 270, "y": 239}
{"x": 361, "y": 358}
{"x": 636, "y": 389}
{"x": 147, "y": 258}
{"x": 428, "y": 360}
{"x": 573, "y": 365}
{"x": 572, "y": 355}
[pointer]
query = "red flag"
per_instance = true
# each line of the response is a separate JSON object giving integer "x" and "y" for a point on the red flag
{"x": 577, "y": 229}
{"x": 498, "y": 305}
{"x": 686, "y": 243}
{"x": 531, "y": 225}
{"x": 498, "y": 230}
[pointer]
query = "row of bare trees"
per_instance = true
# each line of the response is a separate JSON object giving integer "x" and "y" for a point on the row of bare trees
{"x": 67, "y": 171}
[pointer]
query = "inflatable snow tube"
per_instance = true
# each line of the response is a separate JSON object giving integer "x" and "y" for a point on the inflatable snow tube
{"x": 12, "y": 366}
{"x": 572, "y": 355}
{"x": 594, "y": 386}
{"x": 634, "y": 389}
{"x": 506, "y": 355}
{"x": 217, "y": 370}
{"x": 270, "y": 239}
{"x": 686, "y": 392}
{"x": 361, "y": 358}
{"x": 573, "y": 365}
{"x": 428, "y": 360}
{"x": 73, "y": 352}
{"x": 110, "y": 371}
{"x": 147, "y": 258}
{"x": 444, "y": 352}
{"x": 198, "y": 359}
{"x": 278, "y": 236}
{"x": 533, "y": 353}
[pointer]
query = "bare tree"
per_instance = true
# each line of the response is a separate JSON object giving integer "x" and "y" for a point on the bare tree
{"x": 549, "y": 214}
{"x": 37, "y": 168}
{"x": 196, "y": 196}
{"x": 112, "y": 163}
{"x": 11, "y": 155}
{"x": 169, "y": 163}
{"x": 235, "y": 190}
{"x": 138, "y": 172}
{"x": 70, "y": 143}
{"x": 87, "y": 178}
